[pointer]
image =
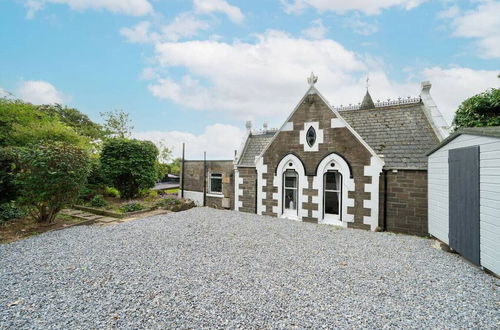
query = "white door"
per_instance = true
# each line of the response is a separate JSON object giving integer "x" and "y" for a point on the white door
{"x": 290, "y": 199}
{"x": 332, "y": 197}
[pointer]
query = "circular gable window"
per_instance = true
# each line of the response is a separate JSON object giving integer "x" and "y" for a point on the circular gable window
{"x": 311, "y": 136}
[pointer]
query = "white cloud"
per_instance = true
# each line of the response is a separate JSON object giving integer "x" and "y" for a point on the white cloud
{"x": 40, "y": 92}
{"x": 263, "y": 78}
{"x": 450, "y": 87}
{"x": 184, "y": 25}
{"x": 128, "y": 7}
{"x": 211, "y": 6}
{"x": 368, "y": 7}
{"x": 3, "y": 93}
{"x": 482, "y": 24}
{"x": 359, "y": 26}
{"x": 140, "y": 33}
{"x": 218, "y": 140}
{"x": 316, "y": 30}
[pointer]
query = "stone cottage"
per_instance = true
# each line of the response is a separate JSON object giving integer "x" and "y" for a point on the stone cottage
{"x": 361, "y": 166}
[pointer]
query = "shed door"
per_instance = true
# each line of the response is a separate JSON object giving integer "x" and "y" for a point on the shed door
{"x": 464, "y": 202}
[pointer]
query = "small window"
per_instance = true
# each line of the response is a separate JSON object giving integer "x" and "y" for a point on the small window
{"x": 311, "y": 136}
{"x": 216, "y": 183}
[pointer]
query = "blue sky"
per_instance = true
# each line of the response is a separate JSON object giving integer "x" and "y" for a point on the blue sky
{"x": 194, "y": 71}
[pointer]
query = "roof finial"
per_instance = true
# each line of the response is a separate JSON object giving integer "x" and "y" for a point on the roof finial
{"x": 367, "y": 81}
{"x": 312, "y": 79}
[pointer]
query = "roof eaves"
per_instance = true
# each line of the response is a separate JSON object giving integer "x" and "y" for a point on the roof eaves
{"x": 492, "y": 131}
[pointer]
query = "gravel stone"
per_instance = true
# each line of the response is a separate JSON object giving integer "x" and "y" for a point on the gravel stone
{"x": 206, "y": 268}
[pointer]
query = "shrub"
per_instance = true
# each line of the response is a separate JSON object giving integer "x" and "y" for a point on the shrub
{"x": 129, "y": 165}
{"x": 167, "y": 201}
{"x": 9, "y": 211}
{"x": 132, "y": 206}
{"x": 479, "y": 110}
{"x": 50, "y": 177}
{"x": 98, "y": 201}
{"x": 111, "y": 192}
{"x": 8, "y": 190}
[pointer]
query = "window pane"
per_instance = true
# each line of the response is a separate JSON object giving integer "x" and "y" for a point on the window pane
{"x": 291, "y": 199}
{"x": 331, "y": 181}
{"x": 331, "y": 202}
{"x": 216, "y": 175}
{"x": 290, "y": 182}
{"x": 216, "y": 185}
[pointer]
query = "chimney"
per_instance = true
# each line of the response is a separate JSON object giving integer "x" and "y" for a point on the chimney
{"x": 248, "y": 125}
{"x": 426, "y": 86}
{"x": 264, "y": 126}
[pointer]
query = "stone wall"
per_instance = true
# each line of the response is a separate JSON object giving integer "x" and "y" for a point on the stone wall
{"x": 335, "y": 139}
{"x": 193, "y": 177}
{"x": 406, "y": 202}
{"x": 248, "y": 176}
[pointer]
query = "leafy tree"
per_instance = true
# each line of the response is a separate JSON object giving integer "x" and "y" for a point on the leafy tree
{"x": 479, "y": 110}
{"x": 7, "y": 187}
{"x": 50, "y": 178}
{"x": 78, "y": 121}
{"x": 23, "y": 123}
{"x": 117, "y": 123}
{"x": 129, "y": 165}
{"x": 175, "y": 166}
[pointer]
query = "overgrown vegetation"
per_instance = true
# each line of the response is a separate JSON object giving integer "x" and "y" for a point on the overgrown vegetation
{"x": 129, "y": 165}
{"x": 52, "y": 155}
{"x": 479, "y": 110}
{"x": 50, "y": 178}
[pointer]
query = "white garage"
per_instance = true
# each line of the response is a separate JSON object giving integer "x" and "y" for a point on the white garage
{"x": 464, "y": 194}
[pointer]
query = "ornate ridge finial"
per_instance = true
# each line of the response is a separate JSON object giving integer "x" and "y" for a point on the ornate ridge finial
{"x": 367, "y": 81}
{"x": 312, "y": 79}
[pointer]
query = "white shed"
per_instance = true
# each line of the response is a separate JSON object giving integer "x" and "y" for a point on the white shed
{"x": 464, "y": 194}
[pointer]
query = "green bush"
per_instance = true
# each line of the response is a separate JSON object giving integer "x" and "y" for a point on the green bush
{"x": 129, "y": 165}
{"x": 132, "y": 206}
{"x": 98, "y": 201}
{"x": 8, "y": 190}
{"x": 479, "y": 110}
{"x": 50, "y": 177}
{"x": 111, "y": 192}
{"x": 9, "y": 211}
{"x": 167, "y": 201}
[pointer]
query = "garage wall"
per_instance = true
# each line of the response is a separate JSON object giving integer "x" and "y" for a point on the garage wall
{"x": 489, "y": 194}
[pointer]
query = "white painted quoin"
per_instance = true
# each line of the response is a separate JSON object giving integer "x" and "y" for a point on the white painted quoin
{"x": 488, "y": 141}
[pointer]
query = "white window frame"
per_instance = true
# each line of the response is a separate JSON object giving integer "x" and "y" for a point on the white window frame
{"x": 285, "y": 211}
{"x": 334, "y": 218}
{"x": 210, "y": 183}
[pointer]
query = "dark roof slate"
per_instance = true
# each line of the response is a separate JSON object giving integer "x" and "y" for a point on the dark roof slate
{"x": 254, "y": 146}
{"x": 367, "y": 102}
{"x": 402, "y": 134}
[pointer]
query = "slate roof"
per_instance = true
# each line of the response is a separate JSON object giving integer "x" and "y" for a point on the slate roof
{"x": 401, "y": 133}
{"x": 367, "y": 102}
{"x": 254, "y": 146}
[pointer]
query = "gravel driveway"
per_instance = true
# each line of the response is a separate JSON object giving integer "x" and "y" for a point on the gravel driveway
{"x": 211, "y": 268}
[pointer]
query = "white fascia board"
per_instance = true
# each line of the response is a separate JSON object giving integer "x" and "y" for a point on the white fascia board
{"x": 286, "y": 125}
{"x": 242, "y": 147}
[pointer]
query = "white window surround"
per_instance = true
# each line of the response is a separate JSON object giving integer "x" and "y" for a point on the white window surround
{"x": 215, "y": 195}
{"x": 237, "y": 190}
{"x": 303, "y": 136}
{"x": 261, "y": 183}
{"x": 342, "y": 167}
{"x": 284, "y": 165}
{"x": 217, "y": 174}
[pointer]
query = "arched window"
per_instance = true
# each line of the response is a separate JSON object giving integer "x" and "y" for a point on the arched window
{"x": 290, "y": 189}
{"x": 332, "y": 196}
